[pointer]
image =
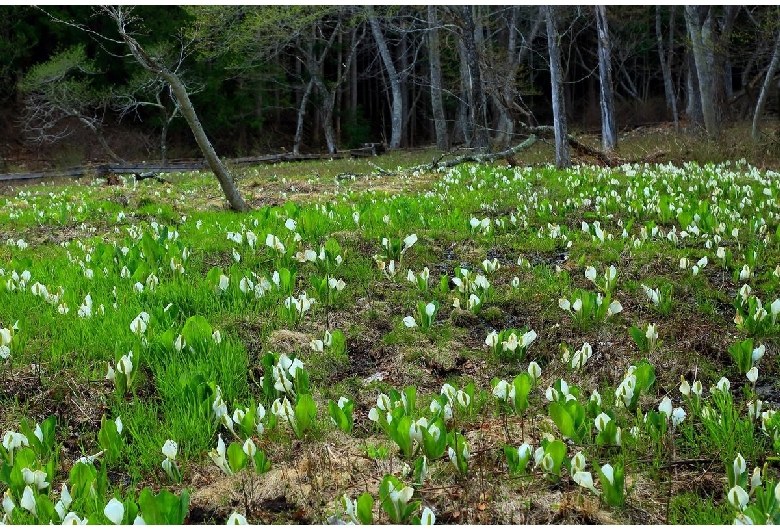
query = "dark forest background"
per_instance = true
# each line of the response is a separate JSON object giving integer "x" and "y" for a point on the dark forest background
{"x": 265, "y": 79}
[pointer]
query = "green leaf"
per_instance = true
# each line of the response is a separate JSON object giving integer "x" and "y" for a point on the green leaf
{"x": 742, "y": 353}
{"x": 212, "y": 277}
{"x": 337, "y": 415}
{"x": 410, "y": 392}
{"x": 165, "y": 508}
{"x": 645, "y": 375}
{"x": 262, "y": 464}
{"x": 81, "y": 477}
{"x": 236, "y": 456}
{"x": 512, "y": 459}
{"x": 420, "y": 470}
{"x": 613, "y": 492}
{"x": 109, "y": 439}
{"x": 173, "y": 508}
{"x": 577, "y": 413}
{"x": 342, "y": 417}
{"x": 365, "y": 508}
{"x": 197, "y": 331}
{"x": 388, "y": 506}
{"x": 305, "y": 413}
{"x": 435, "y": 447}
{"x": 399, "y": 432}
{"x": 523, "y": 384}
{"x": 150, "y": 511}
{"x": 45, "y": 509}
{"x": 301, "y": 381}
{"x": 639, "y": 338}
{"x": 562, "y": 419}
{"x": 557, "y": 451}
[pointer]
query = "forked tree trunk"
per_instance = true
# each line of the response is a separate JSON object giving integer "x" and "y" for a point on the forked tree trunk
{"x": 562, "y": 154}
{"x": 607, "y": 99}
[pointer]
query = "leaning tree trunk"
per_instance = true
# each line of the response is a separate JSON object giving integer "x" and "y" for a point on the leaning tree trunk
{"x": 439, "y": 121}
{"x": 98, "y": 132}
{"x": 701, "y": 33}
{"x": 770, "y": 74}
{"x": 666, "y": 67}
{"x": 233, "y": 196}
{"x": 301, "y": 115}
{"x": 562, "y": 155}
{"x": 392, "y": 74}
{"x": 608, "y": 132}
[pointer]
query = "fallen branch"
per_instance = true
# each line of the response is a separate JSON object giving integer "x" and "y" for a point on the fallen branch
{"x": 582, "y": 149}
{"x": 480, "y": 158}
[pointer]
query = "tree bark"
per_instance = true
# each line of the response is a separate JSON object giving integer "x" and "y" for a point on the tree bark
{"x": 562, "y": 154}
{"x": 403, "y": 59}
{"x": 98, "y": 132}
{"x": 699, "y": 20}
{"x": 434, "y": 55}
{"x": 666, "y": 67}
{"x": 478, "y": 102}
{"x": 301, "y": 114}
{"x": 607, "y": 96}
{"x": 770, "y": 74}
{"x": 465, "y": 97}
{"x": 693, "y": 105}
{"x": 392, "y": 74}
{"x": 232, "y": 194}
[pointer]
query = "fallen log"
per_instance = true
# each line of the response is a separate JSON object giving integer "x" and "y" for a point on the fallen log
{"x": 144, "y": 170}
{"x": 480, "y": 158}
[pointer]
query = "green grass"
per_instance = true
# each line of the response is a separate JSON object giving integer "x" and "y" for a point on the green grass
{"x": 535, "y": 214}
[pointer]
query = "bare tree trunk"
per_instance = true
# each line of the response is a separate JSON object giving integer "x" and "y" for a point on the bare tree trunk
{"x": 478, "y": 107}
{"x": 167, "y": 119}
{"x": 666, "y": 67}
{"x": 164, "y": 143}
{"x": 338, "y": 92}
{"x": 607, "y": 99}
{"x": 301, "y": 114}
{"x": 562, "y": 155}
{"x": 327, "y": 114}
{"x": 98, "y": 132}
{"x": 699, "y": 20}
{"x": 507, "y": 97}
{"x": 403, "y": 59}
{"x": 353, "y": 77}
{"x": 465, "y": 97}
{"x": 693, "y": 106}
{"x": 501, "y": 91}
{"x": 440, "y": 123}
{"x": 392, "y": 74}
{"x": 233, "y": 196}
{"x": 770, "y": 74}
